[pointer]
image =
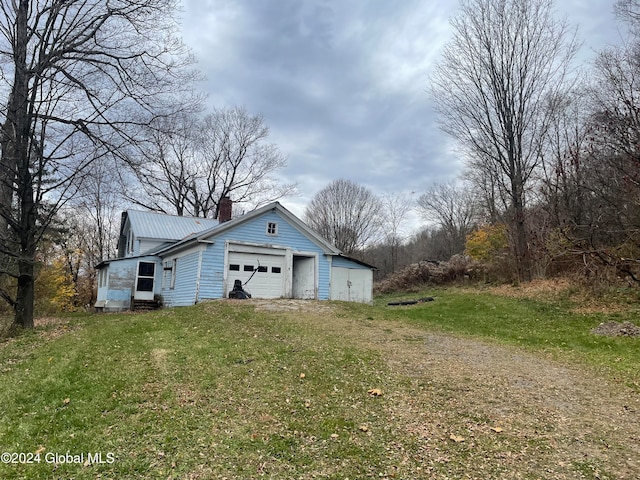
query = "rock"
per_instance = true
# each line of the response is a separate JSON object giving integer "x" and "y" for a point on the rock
{"x": 617, "y": 329}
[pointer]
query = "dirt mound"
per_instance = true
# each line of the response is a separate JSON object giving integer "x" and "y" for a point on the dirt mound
{"x": 290, "y": 305}
{"x": 617, "y": 329}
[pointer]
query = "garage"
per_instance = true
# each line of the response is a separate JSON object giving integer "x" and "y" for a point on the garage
{"x": 261, "y": 274}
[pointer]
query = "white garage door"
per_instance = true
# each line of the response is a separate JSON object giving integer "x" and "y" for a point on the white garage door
{"x": 261, "y": 275}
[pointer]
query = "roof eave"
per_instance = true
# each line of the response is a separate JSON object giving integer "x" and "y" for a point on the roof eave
{"x": 359, "y": 262}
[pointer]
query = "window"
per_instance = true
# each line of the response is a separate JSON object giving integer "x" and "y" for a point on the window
{"x": 167, "y": 271}
{"x": 169, "y": 274}
{"x": 275, "y": 269}
{"x": 102, "y": 279}
{"x": 146, "y": 269}
{"x": 272, "y": 228}
{"x": 248, "y": 268}
{"x": 234, "y": 267}
{"x": 262, "y": 269}
{"x": 145, "y": 284}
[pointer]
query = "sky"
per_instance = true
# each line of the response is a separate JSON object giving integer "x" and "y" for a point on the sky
{"x": 344, "y": 84}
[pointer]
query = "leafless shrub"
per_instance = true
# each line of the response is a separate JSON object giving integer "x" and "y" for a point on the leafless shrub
{"x": 417, "y": 275}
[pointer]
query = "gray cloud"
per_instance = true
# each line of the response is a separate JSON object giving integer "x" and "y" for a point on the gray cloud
{"x": 343, "y": 84}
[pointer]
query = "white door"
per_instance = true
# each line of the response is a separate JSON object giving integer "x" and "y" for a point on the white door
{"x": 304, "y": 277}
{"x": 262, "y": 275}
{"x": 361, "y": 285}
{"x": 351, "y": 285}
{"x": 144, "y": 281}
{"x": 340, "y": 284}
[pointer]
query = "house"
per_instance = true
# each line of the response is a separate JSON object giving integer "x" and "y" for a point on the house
{"x": 181, "y": 261}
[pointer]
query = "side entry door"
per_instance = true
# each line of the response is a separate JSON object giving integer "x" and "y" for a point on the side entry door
{"x": 144, "y": 281}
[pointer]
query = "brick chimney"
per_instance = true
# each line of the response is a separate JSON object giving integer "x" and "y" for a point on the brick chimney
{"x": 224, "y": 210}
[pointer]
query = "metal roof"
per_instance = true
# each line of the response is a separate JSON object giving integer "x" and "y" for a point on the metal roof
{"x": 166, "y": 227}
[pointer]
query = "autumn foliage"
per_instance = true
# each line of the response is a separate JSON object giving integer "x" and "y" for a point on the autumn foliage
{"x": 55, "y": 289}
{"x": 486, "y": 242}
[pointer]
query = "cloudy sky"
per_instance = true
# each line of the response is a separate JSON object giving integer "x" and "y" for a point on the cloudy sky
{"x": 343, "y": 84}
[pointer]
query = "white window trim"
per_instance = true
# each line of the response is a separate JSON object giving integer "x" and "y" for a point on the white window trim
{"x": 130, "y": 242}
{"x": 275, "y": 229}
{"x": 169, "y": 274}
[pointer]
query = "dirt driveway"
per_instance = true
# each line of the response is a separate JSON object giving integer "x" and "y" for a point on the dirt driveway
{"x": 536, "y": 417}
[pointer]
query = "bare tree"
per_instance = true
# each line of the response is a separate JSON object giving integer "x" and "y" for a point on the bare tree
{"x": 194, "y": 162}
{"x": 346, "y": 214}
{"x": 492, "y": 91}
{"x": 396, "y": 208}
{"x": 565, "y": 161}
{"x": 95, "y": 212}
{"x": 606, "y": 194}
{"x": 169, "y": 167}
{"x": 81, "y": 77}
{"x": 482, "y": 179}
{"x": 453, "y": 209}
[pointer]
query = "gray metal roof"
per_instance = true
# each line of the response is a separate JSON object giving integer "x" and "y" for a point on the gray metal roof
{"x": 166, "y": 227}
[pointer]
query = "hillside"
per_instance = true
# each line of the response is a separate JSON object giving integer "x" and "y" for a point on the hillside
{"x": 470, "y": 385}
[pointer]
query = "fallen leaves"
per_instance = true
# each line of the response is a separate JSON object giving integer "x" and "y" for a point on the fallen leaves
{"x": 375, "y": 392}
{"x": 456, "y": 438}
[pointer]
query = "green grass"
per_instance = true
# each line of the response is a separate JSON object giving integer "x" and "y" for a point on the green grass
{"x": 543, "y": 326}
{"x": 207, "y": 389}
{"x": 215, "y": 391}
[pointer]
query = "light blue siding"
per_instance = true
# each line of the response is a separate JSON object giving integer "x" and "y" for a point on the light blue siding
{"x": 136, "y": 247}
{"x": 212, "y": 275}
{"x": 255, "y": 231}
{"x": 346, "y": 263}
{"x": 117, "y": 293}
{"x": 184, "y": 291}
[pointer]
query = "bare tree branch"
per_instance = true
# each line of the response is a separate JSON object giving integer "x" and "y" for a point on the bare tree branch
{"x": 192, "y": 162}
{"x": 453, "y": 209}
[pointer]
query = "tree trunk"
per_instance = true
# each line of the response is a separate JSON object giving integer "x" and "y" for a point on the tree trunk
{"x": 523, "y": 260}
{"x": 26, "y": 295}
{"x": 27, "y": 237}
{"x": 6, "y": 192}
{"x": 519, "y": 234}
{"x": 18, "y": 148}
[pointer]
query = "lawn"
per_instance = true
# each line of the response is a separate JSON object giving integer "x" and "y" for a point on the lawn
{"x": 472, "y": 385}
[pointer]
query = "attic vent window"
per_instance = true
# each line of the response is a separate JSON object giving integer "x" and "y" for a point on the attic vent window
{"x": 272, "y": 228}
